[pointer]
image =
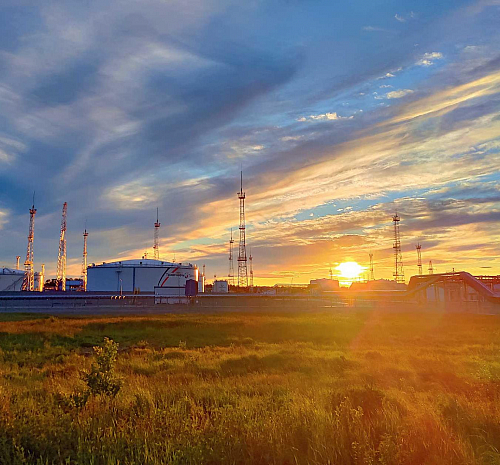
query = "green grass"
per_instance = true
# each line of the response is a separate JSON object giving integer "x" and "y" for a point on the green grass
{"x": 341, "y": 388}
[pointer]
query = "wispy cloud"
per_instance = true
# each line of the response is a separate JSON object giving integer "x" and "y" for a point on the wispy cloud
{"x": 324, "y": 117}
{"x": 399, "y": 93}
{"x": 428, "y": 59}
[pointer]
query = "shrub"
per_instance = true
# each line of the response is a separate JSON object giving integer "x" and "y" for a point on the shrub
{"x": 102, "y": 379}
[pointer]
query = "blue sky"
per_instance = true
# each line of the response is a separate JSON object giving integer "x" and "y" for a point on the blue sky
{"x": 338, "y": 112}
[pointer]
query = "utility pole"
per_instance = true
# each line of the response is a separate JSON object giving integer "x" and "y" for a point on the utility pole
{"x": 242, "y": 251}
{"x": 156, "y": 244}
{"x": 29, "y": 273}
{"x": 399, "y": 275}
{"x": 372, "y": 274}
{"x": 419, "y": 258}
{"x": 84, "y": 260}
{"x": 231, "y": 260}
{"x": 61, "y": 257}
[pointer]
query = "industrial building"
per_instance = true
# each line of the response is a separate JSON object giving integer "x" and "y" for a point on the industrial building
{"x": 141, "y": 276}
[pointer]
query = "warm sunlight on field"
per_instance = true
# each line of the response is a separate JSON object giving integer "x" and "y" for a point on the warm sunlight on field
{"x": 347, "y": 388}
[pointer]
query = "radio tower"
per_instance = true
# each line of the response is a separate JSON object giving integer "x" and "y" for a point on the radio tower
{"x": 419, "y": 258}
{"x": 84, "y": 261}
{"x": 242, "y": 251}
{"x": 372, "y": 274}
{"x": 61, "y": 257}
{"x": 156, "y": 245}
{"x": 399, "y": 275}
{"x": 251, "y": 268}
{"x": 231, "y": 260}
{"x": 29, "y": 273}
{"x": 18, "y": 257}
{"x": 431, "y": 268}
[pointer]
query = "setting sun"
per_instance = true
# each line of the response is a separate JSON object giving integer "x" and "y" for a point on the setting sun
{"x": 350, "y": 270}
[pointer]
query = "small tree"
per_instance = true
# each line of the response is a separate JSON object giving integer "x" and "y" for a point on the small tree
{"x": 102, "y": 379}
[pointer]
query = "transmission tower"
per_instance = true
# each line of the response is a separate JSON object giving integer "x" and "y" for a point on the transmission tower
{"x": 156, "y": 245}
{"x": 242, "y": 250}
{"x": 372, "y": 274}
{"x": 18, "y": 257}
{"x": 29, "y": 273}
{"x": 399, "y": 275}
{"x": 251, "y": 268}
{"x": 84, "y": 260}
{"x": 231, "y": 260}
{"x": 61, "y": 257}
{"x": 419, "y": 258}
{"x": 431, "y": 268}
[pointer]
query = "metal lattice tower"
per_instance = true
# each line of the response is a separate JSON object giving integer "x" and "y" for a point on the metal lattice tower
{"x": 431, "y": 268}
{"x": 156, "y": 244}
{"x": 399, "y": 275}
{"x": 231, "y": 260}
{"x": 372, "y": 274}
{"x": 242, "y": 250}
{"x": 29, "y": 273}
{"x": 61, "y": 257}
{"x": 18, "y": 257}
{"x": 251, "y": 268}
{"x": 84, "y": 260}
{"x": 419, "y": 258}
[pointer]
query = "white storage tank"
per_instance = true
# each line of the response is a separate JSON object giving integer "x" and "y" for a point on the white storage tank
{"x": 141, "y": 275}
{"x": 11, "y": 280}
{"x": 220, "y": 287}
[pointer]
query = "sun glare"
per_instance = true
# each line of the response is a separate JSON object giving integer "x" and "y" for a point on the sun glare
{"x": 350, "y": 270}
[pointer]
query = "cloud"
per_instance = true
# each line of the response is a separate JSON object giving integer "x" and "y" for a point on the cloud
{"x": 399, "y": 93}
{"x": 325, "y": 116}
{"x": 428, "y": 59}
{"x": 404, "y": 18}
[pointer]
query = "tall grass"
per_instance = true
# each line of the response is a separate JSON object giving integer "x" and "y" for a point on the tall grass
{"x": 338, "y": 388}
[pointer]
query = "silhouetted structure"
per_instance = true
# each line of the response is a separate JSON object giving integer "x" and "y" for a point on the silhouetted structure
{"x": 242, "y": 250}
{"x": 399, "y": 275}
{"x": 29, "y": 272}
{"x": 419, "y": 258}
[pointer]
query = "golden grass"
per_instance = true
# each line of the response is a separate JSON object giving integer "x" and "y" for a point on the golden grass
{"x": 339, "y": 388}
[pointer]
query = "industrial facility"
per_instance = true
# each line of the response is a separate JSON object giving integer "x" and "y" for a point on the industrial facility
{"x": 167, "y": 282}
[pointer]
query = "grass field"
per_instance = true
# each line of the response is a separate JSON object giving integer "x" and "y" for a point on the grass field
{"x": 339, "y": 388}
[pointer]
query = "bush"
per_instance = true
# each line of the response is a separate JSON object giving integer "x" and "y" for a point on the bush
{"x": 101, "y": 379}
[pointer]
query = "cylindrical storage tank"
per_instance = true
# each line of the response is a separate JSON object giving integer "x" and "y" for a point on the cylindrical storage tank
{"x": 142, "y": 275}
{"x": 220, "y": 287}
{"x": 11, "y": 280}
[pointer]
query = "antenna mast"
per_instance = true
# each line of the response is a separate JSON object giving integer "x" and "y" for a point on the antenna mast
{"x": 231, "y": 260}
{"x": 431, "y": 268}
{"x": 61, "y": 257}
{"x": 29, "y": 273}
{"x": 242, "y": 251}
{"x": 18, "y": 257}
{"x": 372, "y": 274}
{"x": 251, "y": 268}
{"x": 399, "y": 275}
{"x": 156, "y": 244}
{"x": 84, "y": 261}
{"x": 419, "y": 258}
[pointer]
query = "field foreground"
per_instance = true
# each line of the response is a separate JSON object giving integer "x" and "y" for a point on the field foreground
{"x": 338, "y": 388}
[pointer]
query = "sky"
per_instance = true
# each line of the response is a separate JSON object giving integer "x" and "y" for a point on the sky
{"x": 338, "y": 113}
